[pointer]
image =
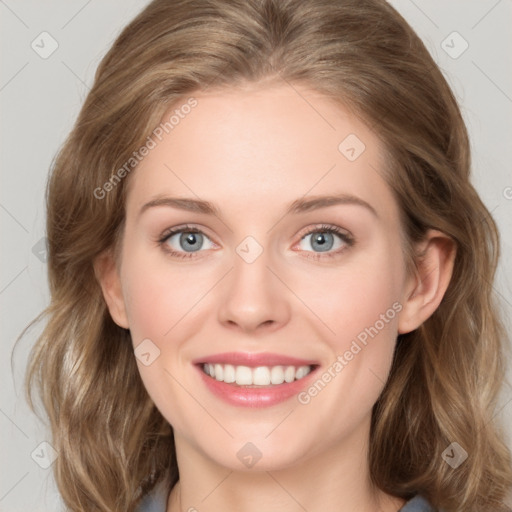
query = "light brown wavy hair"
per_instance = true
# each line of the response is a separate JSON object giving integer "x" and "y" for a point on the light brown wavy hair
{"x": 114, "y": 445}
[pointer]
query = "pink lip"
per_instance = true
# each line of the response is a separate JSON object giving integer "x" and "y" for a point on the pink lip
{"x": 254, "y": 360}
{"x": 248, "y": 396}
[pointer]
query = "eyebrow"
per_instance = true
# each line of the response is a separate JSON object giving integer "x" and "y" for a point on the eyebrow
{"x": 298, "y": 206}
{"x": 313, "y": 203}
{"x": 182, "y": 203}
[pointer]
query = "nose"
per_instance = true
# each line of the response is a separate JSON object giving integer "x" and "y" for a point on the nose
{"x": 253, "y": 299}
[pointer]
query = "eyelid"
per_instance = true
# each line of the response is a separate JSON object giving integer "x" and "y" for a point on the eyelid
{"x": 331, "y": 228}
{"x": 167, "y": 233}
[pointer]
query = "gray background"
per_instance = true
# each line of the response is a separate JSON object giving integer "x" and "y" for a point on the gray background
{"x": 40, "y": 96}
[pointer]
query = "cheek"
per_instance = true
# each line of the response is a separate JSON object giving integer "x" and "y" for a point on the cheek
{"x": 357, "y": 297}
{"x": 162, "y": 304}
{"x": 369, "y": 306}
{"x": 359, "y": 305}
{"x": 160, "y": 295}
{"x": 363, "y": 316}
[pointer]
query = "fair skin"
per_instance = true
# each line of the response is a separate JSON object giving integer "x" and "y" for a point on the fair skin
{"x": 251, "y": 152}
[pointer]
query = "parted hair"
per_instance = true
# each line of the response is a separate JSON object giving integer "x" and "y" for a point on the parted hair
{"x": 114, "y": 445}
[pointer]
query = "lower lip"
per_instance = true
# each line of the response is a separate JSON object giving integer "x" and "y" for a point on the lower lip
{"x": 245, "y": 396}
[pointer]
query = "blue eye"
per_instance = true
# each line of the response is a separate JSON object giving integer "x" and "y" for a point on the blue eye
{"x": 322, "y": 241}
{"x": 186, "y": 240}
{"x": 325, "y": 239}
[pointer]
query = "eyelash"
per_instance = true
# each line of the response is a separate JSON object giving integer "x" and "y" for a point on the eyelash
{"x": 347, "y": 239}
{"x": 343, "y": 235}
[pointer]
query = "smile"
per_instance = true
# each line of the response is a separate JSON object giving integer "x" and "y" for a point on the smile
{"x": 255, "y": 379}
{"x": 259, "y": 376}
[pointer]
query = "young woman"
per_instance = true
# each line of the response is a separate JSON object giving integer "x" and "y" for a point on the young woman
{"x": 271, "y": 277}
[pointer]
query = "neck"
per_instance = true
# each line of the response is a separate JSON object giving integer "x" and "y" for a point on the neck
{"x": 335, "y": 481}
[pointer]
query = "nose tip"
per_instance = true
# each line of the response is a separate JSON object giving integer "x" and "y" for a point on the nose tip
{"x": 249, "y": 326}
{"x": 253, "y": 299}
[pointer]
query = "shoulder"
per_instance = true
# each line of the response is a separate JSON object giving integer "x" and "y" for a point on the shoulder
{"x": 418, "y": 504}
{"x": 155, "y": 501}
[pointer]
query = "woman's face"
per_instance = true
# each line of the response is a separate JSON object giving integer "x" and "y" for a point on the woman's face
{"x": 261, "y": 239}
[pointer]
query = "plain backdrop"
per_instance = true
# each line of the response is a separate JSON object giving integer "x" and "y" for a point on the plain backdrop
{"x": 50, "y": 51}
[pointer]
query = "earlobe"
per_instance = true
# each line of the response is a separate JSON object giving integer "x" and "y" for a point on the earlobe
{"x": 426, "y": 288}
{"x": 108, "y": 277}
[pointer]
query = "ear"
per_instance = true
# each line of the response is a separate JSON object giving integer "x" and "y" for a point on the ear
{"x": 425, "y": 289}
{"x": 108, "y": 277}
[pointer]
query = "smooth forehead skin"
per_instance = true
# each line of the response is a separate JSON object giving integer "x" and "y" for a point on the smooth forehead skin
{"x": 255, "y": 150}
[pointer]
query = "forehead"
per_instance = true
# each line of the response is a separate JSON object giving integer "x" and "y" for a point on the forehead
{"x": 254, "y": 147}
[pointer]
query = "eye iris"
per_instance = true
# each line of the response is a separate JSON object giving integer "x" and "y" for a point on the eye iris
{"x": 322, "y": 241}
{"x": 191, "y": 241}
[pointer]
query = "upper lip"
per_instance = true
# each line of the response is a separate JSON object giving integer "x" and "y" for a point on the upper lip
{"x": 254, "y": 359}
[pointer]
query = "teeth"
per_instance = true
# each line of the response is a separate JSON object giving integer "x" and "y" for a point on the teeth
{"x": 301, "y": 372}
{"x": 243, "y": 376}
{"x": 229, "y": 373}
{"x": 277, "y": 375}
{"x": 219, "y": 372}
{"x": 289, "y": 374}
{"x": 260, "y": 376}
